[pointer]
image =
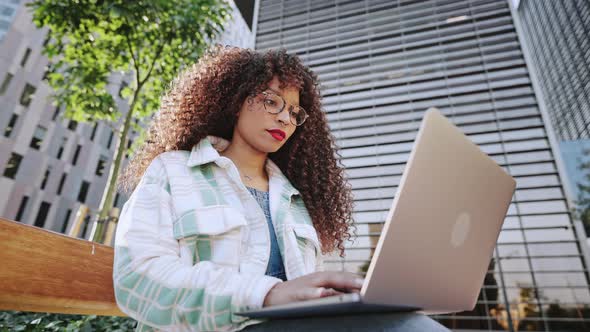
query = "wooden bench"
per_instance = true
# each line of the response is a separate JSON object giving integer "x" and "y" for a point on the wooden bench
{"x": 45, "y": 271}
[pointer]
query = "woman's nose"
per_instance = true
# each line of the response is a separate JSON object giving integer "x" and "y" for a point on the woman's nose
{"x": 284, "y": 116}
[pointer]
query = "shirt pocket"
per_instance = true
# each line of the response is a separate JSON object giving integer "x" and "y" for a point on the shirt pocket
{"x": 308, "y": 244}
{"x": 211, "y": 234}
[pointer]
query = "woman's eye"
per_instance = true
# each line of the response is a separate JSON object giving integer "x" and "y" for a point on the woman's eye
{"x": 269, "y": 102}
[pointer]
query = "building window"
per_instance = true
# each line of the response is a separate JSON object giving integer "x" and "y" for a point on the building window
{"x": 72, "y": 125}
{"x": 93, "y": 131}
{"x": 23, "y": 61}
{"x": 121, "y": 87}
{"x": 4, "y": 25}
{"x": 55, "y": 113}
{"x": 11, "y": 125}
{"x": 7, "y": 11}
{"x": 13, "y": 165}
{"x": 129, "y": 144}
{"x": 42, "y": 214}
{"x": 27, "y": 95}
{"x": 45, "y": 177}
{"x": 76, "y": 154}
{"x": 83, "y": 191}
{"x": 48, "y": 71}
{"x": 21, "y": 208}
{"x": 6, "y": 83}
{"x": 61, "y": 148}
{"x": 64, "y": 226}
{"x": 116, "y": 201}
{"x": 47, "y": 39}
{"x": 60, "y": 187}
{"x": 86, "y": 221}
{"x": 110, "y": 141}
{"x": 100, "y": 166}
{"x": 38, "y": 136}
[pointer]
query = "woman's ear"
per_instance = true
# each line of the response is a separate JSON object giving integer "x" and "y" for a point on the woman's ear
{"x": 250, "y": 102}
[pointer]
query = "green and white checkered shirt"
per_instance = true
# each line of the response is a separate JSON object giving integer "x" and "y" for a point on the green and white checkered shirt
{"x": 192, "y": 244}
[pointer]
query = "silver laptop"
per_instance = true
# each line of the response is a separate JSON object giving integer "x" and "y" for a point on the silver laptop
{"x": 439, "y": 235}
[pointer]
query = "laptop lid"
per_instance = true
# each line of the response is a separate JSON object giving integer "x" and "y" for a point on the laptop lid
{"x": 442, "y": 227}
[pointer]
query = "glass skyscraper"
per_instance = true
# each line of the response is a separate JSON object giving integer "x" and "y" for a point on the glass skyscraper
{"x": 557, "y": 34}
{"x": 382, "y": 63}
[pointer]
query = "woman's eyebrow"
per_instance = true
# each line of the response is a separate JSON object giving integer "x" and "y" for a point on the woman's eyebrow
{"x": 275, "y": 91}
{"x": 278, "y": 93}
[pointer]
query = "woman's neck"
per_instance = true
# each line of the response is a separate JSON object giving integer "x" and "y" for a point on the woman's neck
{"x": 250, "y": 162}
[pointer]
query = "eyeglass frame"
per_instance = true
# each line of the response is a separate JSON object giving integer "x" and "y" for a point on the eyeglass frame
{"x": 265, "y": 93}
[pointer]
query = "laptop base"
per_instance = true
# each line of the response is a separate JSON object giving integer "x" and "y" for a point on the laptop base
{"x": 324, "y": 309}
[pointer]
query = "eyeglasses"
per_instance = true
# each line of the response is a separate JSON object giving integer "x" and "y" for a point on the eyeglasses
{"x": 275, "y": 104}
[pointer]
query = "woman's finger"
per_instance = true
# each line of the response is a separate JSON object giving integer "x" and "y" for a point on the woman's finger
{"x": 330, "y": 292}
{"x": 343, "y": 280}
{"x": 310, "y": 293}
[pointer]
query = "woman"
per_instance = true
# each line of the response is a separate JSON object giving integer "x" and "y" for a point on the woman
{"x": 236, "y": 193}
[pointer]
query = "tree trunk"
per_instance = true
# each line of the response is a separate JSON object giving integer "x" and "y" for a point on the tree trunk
{"x": 109, "y": 193}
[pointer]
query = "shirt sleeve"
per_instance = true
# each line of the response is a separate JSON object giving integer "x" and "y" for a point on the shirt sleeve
{"x": 153, "y": 286}
{"x": 319, "y": 264}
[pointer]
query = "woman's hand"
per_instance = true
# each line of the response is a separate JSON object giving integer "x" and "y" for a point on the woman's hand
{"x": 313, "y": 286}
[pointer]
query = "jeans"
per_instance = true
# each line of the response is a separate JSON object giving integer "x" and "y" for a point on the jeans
{"x": 390, "y": 322}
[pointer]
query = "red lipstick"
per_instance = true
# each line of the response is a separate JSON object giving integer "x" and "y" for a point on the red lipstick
{"x": 277, "y": 134}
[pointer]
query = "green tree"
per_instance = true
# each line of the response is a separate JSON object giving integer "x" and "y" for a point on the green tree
{"x": 11, "y": 321}
{"x": 149, "y": 40}
{"x": 528, "y": 309}
{"x": 582, "y": 208}
{"x": 575, "y": 317}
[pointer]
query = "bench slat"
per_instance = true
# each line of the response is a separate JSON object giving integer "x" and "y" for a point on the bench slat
{"x": 45, "y": 271}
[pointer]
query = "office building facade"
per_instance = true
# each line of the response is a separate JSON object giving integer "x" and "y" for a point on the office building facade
{"x": 557, "y": 35}
{"x": 381, "y": 64}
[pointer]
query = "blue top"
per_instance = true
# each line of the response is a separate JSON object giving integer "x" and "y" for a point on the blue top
{"x": 275, "y": 266}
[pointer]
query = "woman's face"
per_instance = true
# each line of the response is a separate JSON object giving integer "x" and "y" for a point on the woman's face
{"x": 262, "y": 130}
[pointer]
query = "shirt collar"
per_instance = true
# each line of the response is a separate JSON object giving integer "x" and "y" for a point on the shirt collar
{"x": 207, "y": 151}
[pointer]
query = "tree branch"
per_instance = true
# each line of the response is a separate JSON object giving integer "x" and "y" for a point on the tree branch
{"x": 109, "y": 124}
{"x": 153, "y": 64}
{"x": 135, "y": 60}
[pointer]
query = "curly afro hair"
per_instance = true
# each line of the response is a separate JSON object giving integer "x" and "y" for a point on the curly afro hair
{"x": 205, "y": 99}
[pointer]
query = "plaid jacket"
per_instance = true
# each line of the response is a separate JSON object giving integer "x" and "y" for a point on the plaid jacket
{"x": 192, "y": 244}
